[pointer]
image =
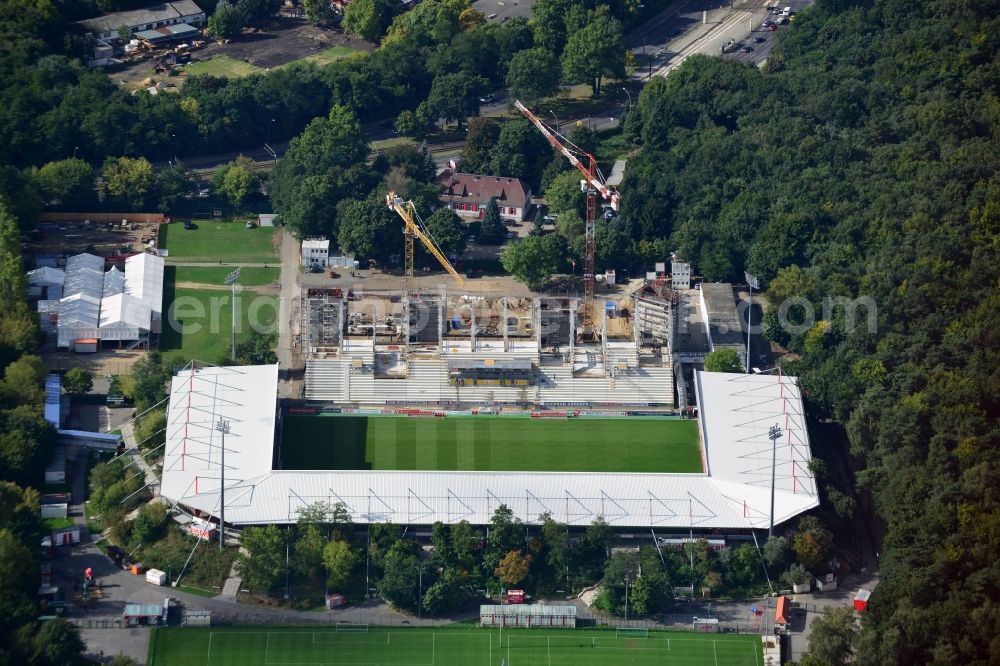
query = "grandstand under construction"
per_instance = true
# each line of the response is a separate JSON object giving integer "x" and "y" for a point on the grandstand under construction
{"x": 443, "y": 348}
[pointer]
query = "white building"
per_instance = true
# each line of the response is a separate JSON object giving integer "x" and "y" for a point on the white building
{"x": 148, "y": 18}
{"x": 680, "y": 276}
{"x": 315, "y": 252}
{"x": 177, "y": 16}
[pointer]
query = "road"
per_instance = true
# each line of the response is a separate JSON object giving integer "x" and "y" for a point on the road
{"x": 288, "y": 308}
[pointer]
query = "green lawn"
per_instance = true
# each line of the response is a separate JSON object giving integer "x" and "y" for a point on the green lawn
{"x": 445, "y": 646}
{"x": 221, "y": 65}
{"x": 231, "y": 242}
{"x": 490, "y": 443}
{"x": 200, "y": 320}
{"x": 249, "y": 277}
{"x": 57, "y": 523}
{"x": 326, "y": 56}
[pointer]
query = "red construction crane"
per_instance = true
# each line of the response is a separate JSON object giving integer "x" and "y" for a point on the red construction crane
{"x": 592, "y": 185}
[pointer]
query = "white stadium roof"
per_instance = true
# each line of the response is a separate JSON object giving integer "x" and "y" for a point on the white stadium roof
{"x": 734, "y": 493}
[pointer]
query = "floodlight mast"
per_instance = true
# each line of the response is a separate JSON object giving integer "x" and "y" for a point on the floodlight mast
{"x": 223, "y": 427}
{"x": 592, "y": 185}
{"x": 414, "y": 226}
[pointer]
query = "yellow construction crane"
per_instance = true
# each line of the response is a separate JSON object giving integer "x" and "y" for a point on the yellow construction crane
{"x": 414, "y": 226}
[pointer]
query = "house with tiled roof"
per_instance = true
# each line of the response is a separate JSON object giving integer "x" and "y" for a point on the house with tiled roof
{"x": 468, "y": 195}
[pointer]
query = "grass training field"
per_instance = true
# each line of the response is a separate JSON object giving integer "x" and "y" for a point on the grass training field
{"x": 249, "y": 277}
{"x": 230, "y": 241}
{"x": 490, "y": 443}
{"x": 451, "y": 646}
{"x": 201, "y": 323}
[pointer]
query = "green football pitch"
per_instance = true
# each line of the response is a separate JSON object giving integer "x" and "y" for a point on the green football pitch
{"x": 459, "y": 646}
{"x": 490, "y": 443}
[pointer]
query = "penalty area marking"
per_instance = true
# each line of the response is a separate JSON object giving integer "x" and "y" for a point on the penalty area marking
{"x": 345, "y": 641}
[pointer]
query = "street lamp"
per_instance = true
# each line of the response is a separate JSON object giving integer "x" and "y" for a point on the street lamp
{"x": 556, "y": 119}
{"x": 268, "y": 142}
{"x": 774, "y": 434}
{"x": 625, "y": 90}
{"x": 223, "y": 427}
{"x": 75, "y": 148}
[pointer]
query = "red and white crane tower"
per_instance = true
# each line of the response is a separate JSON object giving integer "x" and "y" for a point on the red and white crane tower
{"x": 593, "y": 183}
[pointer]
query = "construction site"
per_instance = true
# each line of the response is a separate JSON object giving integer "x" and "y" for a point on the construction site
{"x": 450, "y": 348}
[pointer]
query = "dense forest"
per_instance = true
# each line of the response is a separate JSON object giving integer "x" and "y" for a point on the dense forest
{"x": 863, "y": 161}
{"x": 860, "y": 164}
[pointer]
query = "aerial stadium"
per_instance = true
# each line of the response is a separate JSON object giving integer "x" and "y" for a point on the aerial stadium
{"x": 449, "y": 463}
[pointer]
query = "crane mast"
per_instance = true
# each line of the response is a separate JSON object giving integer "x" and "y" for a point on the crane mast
{"x": 413, "y": 226}
{"x": 592, "y": 185}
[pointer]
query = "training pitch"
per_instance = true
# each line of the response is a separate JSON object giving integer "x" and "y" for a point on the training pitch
{"x": 490, "y": 444}
{"x": 458, "y": 646}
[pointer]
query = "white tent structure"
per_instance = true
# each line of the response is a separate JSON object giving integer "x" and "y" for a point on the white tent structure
{"x": 114, "y": 282}
{"x": 733, "y": 492}
{"x": 112, "y": 305}
{"x": 123, "y": 317}
{"x": 144, "y": 281}
{"x": 49, "y": 279}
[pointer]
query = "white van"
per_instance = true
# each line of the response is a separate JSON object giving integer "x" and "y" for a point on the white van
{"x": 786, "y": 11}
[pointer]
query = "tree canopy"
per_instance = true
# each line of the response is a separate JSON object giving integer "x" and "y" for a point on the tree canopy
{"x": 828, "y": 176}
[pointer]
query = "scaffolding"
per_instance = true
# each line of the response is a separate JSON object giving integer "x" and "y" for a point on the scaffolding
{"x": 323, "y": 314}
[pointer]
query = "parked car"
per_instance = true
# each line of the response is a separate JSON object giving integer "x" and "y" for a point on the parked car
{"x": 747, "y": 49}
{"x": 188, "y": 225}
{"x": 486, "y": 99}
{"x": 315, "y": 269}
{"x": 251, "y": 224}
{"x": 759, "y": 40}
{"x": 772, "y": 28}
{"x": 334, "y": 274}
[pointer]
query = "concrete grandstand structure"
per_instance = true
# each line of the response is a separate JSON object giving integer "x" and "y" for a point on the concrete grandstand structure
{"x": 461, "y": 349}
{"x": 732, "y": 492}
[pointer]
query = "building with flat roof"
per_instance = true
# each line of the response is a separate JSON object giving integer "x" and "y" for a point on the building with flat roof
{"x": 157, "y": 15}
{"x": 719, "y": 314}
{"x": 165, "y": 21}
{"x": 315, "y": 252}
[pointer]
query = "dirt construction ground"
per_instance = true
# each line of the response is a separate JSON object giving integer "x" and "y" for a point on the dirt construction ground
{"x": 282, "y": 41}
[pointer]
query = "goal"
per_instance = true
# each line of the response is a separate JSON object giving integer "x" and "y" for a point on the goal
{"x": 629, "y": 632}
{"x": 352, "y": 628}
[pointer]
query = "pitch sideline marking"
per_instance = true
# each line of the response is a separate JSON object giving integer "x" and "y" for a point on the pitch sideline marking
{"x": 715, "y": 654}
{"x": 756, "y": 659}
{"x": 208, "y": 659}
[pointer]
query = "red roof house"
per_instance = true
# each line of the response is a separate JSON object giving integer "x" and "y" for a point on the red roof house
{"x": 468, "y": 195}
